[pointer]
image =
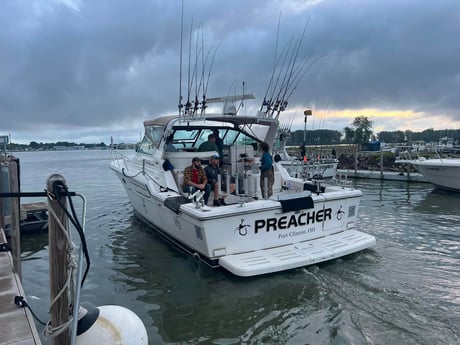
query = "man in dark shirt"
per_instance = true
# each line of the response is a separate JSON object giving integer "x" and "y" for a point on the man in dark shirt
{"x": 209, "y": 145}
{"x": 212, "y": 173}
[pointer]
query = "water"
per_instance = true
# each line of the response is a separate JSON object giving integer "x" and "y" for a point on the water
{"x": 405, "y": 290}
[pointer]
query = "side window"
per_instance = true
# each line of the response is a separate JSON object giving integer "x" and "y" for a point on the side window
{"x": 154, "y": 133}
{"x": 145, "y": 146}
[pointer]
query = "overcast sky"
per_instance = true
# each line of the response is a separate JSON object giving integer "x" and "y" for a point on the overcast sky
{"x": 88, "y": 70}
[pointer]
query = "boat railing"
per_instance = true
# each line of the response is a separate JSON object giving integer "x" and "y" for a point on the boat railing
{"x": 119, "y": 159}
{"x": 341, "y": 179}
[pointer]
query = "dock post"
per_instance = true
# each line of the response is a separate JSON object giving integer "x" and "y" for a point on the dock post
{"x": 15, "y": 216}
{"x": 58, "y": 261}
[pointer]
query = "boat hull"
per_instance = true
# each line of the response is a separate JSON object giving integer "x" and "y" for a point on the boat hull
{"x": 218, "y": 235}
{"x": 443, "y": 173}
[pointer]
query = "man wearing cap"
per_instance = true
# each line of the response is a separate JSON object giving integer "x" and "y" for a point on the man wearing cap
{"x": 212, "y": 173}
{"x": 195, "y": 178}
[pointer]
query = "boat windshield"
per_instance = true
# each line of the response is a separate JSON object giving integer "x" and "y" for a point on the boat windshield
{"x": 190, "y": 140}
{"x": 151, "y": 140}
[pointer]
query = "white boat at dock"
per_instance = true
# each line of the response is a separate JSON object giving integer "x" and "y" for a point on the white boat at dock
{"x": 307, "y": 169}
{"x": 302, "y": 223}
{"x": 444, "y": 173}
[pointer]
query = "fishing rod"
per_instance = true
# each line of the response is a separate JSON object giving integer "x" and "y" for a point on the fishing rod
{"x": 299, "y": 45}
{"x": 278, "y": 101}
{"x": 281, "y": 102}
{"x": 203, "y": 65}
{"x": 202, "y": 83}
{"x": 204, "y": 106}
{"x": 275, "y": 55}
{"x": 302, "y": 75}
{"x": 188, "y": 105}
{"x": 198, "y": 53}
{"x": 270, "y": 103}
{"x": 180, "y": 59}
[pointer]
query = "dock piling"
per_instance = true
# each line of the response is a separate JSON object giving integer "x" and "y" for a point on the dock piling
{"x": 58, "y": 260}
{"x": 15, "y": 216}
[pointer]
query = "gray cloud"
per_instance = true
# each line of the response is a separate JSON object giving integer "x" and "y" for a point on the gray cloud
{"x": 88, "y": 70}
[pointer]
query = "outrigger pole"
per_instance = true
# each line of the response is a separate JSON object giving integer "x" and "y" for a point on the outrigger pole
{"x": 180, "y": 59}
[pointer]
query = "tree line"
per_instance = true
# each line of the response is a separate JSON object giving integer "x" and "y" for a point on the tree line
{"x": 360, "y": 132}
{"x": 35, "y": 146}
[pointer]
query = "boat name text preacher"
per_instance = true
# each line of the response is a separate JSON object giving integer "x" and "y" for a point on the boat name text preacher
{"x": 295, "y": 220}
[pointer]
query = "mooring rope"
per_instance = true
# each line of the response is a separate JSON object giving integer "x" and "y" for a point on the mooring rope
{"x": 50, "y": 330}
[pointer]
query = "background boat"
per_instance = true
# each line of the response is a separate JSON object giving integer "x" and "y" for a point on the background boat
{"x": 442, "y": 172}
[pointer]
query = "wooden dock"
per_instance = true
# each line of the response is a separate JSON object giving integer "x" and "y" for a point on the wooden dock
{"x": 16, "y": 324}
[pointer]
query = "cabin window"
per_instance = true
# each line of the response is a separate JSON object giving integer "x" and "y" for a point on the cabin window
{"x": 190, "y": 140}
{"x": 154, "y": 134}
{"x": 185, "y": 138}
{"x": 203, "y": 137}
{"x": 243, "y": 139}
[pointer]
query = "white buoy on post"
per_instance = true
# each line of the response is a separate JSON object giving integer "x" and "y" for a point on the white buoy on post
{"x": 115, "y": 325}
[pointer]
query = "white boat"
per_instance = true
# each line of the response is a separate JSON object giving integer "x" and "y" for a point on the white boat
{"x": 311, "y": 166}
{"x": 302, "y": 223}
{"x": 308, "y": 169}
{"x": 442, "y": 172}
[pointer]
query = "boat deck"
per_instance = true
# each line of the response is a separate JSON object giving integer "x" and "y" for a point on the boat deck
{"x": 298, "y": 254}
{"x": 16, "y": 324}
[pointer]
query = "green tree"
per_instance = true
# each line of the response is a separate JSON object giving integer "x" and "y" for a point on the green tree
{"x": 34, "y": 145}
{"x": 360, "y": 131}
